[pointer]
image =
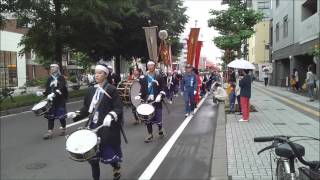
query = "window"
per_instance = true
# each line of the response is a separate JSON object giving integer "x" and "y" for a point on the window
{"x": 8, "y": 68}
{"x": 285, "y": 26}
{"x": 263, "y": 5}
{"x": 277, "y": 32}
{"x": 308, "y": 9}
{"x": 277, "y": 3}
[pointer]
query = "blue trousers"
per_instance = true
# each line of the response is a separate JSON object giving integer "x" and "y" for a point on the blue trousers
{"x": 56, "y": 113}
{"x": 189, "y": 99}
{"x": 310, "y": 90}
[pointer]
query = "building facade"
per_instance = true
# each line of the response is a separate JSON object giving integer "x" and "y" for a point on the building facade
{"x": 295, "y": 29}
{"x": 259, "y": 43}
{"x": 12, "y": 64}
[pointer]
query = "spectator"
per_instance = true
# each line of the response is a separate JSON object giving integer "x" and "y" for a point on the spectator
{"x": 310, "y": 80}
{"x": 219, "y": 93}
{"x": 293, "y": 82}
{"x": 266, "y": 78}
{"x": 245, "y": 95}
{"x": 238, "y": 77}
{"x": 296, "y": 76}
{"x": 232, "y": 98}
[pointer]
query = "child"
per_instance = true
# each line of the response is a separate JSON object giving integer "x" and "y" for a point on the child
{"x": 232, "y": 98}
{"x": 293, "y": 82}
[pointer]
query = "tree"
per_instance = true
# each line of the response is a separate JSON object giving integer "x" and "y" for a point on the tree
{"x": 235, "y": 25}
{"x": 83, "y": 60}
{"x": 59, "y": 25}
{"x": 96, "y": 28}
{"x": 166, "y": 14}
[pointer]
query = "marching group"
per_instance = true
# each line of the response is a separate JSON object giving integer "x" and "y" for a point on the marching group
{"x": 104, "y": 107}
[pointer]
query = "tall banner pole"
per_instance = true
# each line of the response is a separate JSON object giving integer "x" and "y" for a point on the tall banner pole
{"x": 192, "y": 41}
{"x": 197, "y": 57}
{"x": 151, "y": 38}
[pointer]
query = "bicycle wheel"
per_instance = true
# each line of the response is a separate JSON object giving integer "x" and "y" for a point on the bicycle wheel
{"x": 281, "y": 172}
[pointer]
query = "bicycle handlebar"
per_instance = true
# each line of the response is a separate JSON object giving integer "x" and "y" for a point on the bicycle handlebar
{"x": 263, "y": 139}
{"x": 285, "y": 140}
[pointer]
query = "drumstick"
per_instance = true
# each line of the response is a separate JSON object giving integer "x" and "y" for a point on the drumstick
{"x": 97, "y": 129}
{"x": 107, "y": 95}
{"x": 78, "y": 122}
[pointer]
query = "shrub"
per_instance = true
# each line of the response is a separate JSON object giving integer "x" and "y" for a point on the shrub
{"x": 30, "y": 99}
{"x": 37, "y": 82}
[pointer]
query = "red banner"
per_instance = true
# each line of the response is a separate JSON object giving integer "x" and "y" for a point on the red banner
{"x": 192, "y": 41}
{"x": 198, "y": 50}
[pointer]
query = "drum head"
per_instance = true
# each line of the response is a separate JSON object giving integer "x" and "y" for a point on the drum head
{"x": 134, "y": 91}
{"x": 145, "y": 109}
{"x": 81, "y": 141}
{"x": 39, "y": 105}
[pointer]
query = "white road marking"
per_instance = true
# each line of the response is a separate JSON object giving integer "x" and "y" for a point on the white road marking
{"x": 24, "y": 112}
{"x": 156, "y": 162}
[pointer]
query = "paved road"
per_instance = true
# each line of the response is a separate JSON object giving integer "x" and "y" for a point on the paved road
{"x": 24, "y": 155}
{"x": 190, "y": 157}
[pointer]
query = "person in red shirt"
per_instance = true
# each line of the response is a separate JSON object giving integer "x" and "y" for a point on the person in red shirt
{"x": 197, "y": 96}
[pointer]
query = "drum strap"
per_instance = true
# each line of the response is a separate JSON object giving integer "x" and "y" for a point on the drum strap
{"x": 91, "y": 115}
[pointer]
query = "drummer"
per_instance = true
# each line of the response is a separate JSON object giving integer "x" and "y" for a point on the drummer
{"x": 136, "y": 72}
{"x": 56, "y": 92}
{"x": 152, "y": 86}
{"x": 104, "y": 105}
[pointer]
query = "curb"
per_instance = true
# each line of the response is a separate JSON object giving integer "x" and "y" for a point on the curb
{"x": 219, "y": 168}
{"x": 28, "y": 108}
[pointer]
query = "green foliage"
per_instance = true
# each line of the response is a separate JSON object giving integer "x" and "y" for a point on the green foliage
{"x": 166, "y": 14}
{"x": 82, "y": 60}
{"x": 37, "y": 82}
{"x": 234, "y": 24}
{"x": 73, "y": 78}
{"x": 43, "y": 62}
{"x": 315, "y": 50}
{"x": 96, "y": 28}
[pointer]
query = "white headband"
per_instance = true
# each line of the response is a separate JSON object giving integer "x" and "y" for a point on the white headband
{"x": 150, "y": 63}
{"x": 54, "y": 65}
{"x": 102, "y": 68}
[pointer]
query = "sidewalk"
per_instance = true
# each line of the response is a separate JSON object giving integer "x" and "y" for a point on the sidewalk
{"x": 283, "y": 91}
{"x": 272, "y": 118}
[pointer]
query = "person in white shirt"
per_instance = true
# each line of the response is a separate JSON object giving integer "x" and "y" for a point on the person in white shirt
{"x": 220, "y": 95}
{"x": 296, "y": 77}
{"x": 310, "y": 82}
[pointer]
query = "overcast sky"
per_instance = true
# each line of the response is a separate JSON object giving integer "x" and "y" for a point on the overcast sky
{"x": 199, "y": 10}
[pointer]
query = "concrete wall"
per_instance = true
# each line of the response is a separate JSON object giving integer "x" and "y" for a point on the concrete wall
{"x": 285, "y": 8}
{"x": 308, "y": 29}
{"x": 303, "y": 33}
{"x": 9, "y": 42}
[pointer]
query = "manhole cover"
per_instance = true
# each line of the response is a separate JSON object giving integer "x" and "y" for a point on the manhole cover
{"x": 280, "y": 109}
{"x": 279, "y": 124}
{"x": 303, "y": 124}
{"x": 36, "y": 166}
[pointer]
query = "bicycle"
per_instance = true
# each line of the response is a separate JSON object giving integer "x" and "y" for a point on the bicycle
{"x": 287, "y": 153}
{"x": 5, "y": 93}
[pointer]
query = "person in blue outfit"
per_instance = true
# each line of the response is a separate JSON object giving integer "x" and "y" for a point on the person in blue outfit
{"x": 189, "y": 86}
{"x": 152, "y": 90}
{"x": 232, "y": 97}
{"x": 104, "y": 106}
{"x": 57, "y": 93}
